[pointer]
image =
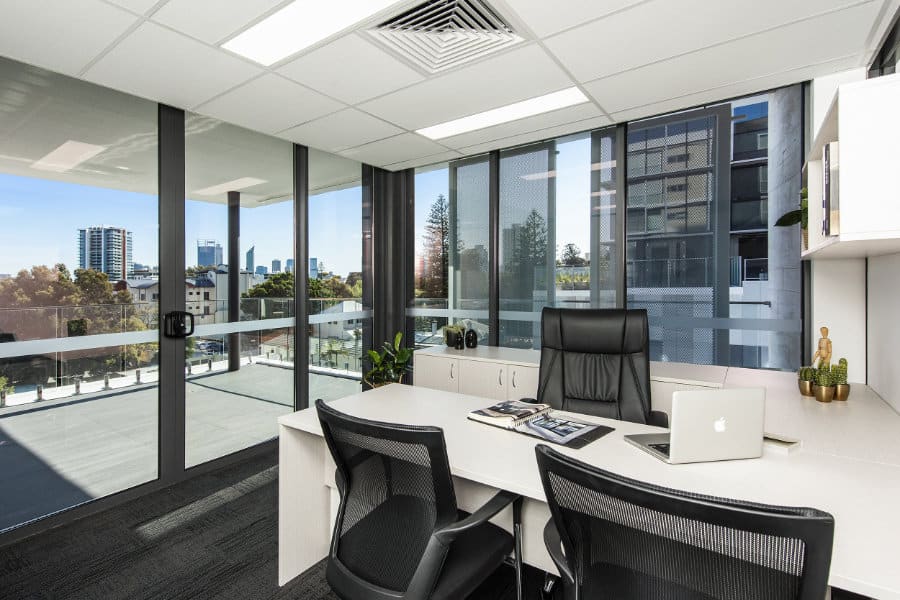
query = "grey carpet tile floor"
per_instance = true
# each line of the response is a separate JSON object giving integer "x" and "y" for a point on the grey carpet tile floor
{"x": 211, "y": 537}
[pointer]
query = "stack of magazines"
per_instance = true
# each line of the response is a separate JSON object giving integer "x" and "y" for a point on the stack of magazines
{"x": 540, "y": 421}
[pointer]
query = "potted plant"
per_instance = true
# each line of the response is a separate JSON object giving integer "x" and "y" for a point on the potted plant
{"x": 453, "y": 334}
{"x": 805, "y": 378}
{"x": 798, "y": 215}
{"x": 824, "y": 387}
{"x": 390, "y": 364}
{"x": 841, "y": 387}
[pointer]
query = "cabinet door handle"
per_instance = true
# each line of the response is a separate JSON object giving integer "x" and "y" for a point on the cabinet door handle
{"x": 451, "y": 370}
{"x": 500, "y": 378}
{"x": 514, "y": 379}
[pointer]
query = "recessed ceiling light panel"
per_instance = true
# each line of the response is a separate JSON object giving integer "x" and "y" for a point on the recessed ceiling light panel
{"x": 512, "y": 112}
{"x": 68, "y": 156}
{"x": 299, "y": 25}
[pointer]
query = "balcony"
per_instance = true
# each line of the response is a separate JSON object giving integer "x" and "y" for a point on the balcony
{"x": 82, "y": 423}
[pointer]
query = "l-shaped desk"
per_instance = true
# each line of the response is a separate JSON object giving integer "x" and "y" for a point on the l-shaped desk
{"x": 848, "y": 465}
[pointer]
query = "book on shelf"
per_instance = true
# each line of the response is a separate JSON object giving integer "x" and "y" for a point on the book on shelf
{"x": 831, "y": 203}
{"x": 539, "y": 420}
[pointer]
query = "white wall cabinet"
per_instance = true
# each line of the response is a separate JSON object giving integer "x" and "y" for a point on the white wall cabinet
{"x": 863, "y": 119}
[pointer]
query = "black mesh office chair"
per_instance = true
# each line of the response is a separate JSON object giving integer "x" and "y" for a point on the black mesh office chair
{"x": 627, "y": 539}
{"x": 398, "y": 533}
{"x": 597, "y": 362}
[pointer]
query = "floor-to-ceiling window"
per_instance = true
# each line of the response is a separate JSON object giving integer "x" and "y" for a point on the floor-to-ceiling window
{"x": 432, "y": 253}
{"x": 690, "y": 199}
{"x": 469, "y": 239}
{"x": 78, "y": 301}
{"x": 337, "y": 314}
{"x": 720, "y": 282}
{"x": 549, "y": 253}
{"x": 238, "y": 226}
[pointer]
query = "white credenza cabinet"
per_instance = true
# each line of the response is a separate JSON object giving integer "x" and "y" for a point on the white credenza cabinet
{"x": 489, "y": 372}
{"x": 512, "y": 373}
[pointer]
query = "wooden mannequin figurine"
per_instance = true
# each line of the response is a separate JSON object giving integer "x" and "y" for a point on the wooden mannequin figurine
{"x": 823, "y": 351}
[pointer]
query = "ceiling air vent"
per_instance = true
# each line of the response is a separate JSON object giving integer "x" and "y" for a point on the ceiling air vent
{"x": 442, "y": 34}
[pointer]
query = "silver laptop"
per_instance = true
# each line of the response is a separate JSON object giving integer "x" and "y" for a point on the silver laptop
{"x": 709, "y": 425}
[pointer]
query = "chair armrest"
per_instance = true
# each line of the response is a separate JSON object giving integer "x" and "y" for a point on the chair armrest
{"x": 423, "y": 580}
{"x": 501, "y": 500}
{"x": 554, "y": 547}
{"x": 659, "y": 419}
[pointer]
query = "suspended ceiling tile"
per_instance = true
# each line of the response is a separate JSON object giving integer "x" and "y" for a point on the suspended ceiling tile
{"x": 138, "y": 6}
{"x": 211, "y": 20}
{"x": 734, "y": 90}
{"x": 156, "y": 63}
{"x": 522, "y": 126}
{"x": 662, "y": 29}
{"x": 406, "y": 146}
{"x": 60, "y": 35}
{"x": 351, "y": 70}
{"x": 424, "y": 161}
{"x": 536, "y": 136}
{"x": 545, "y": 18}
{"x": 330, "y": 172}
{"x": 269, "y": 104}
{"x": 510, "y": 77}
{"x": 838, "y": 35}
{"x": 341, "y": 130}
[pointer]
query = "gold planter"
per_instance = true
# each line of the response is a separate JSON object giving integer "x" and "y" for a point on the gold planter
{"x": 823, "y": 393}
{"x": 805, "y": 238}
{"x": 806, "y": 387}
{"x": 842, "y": 392}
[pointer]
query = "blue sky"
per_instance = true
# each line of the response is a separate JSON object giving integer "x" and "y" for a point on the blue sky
{"x": 573, "y": 194}
{"x": 41, "y": 217}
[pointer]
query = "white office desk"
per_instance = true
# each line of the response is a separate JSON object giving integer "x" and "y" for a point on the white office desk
{"x": 861, "y": 495}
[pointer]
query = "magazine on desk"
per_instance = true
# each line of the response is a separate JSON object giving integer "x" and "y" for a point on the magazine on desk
{"x": 540, "y": 421}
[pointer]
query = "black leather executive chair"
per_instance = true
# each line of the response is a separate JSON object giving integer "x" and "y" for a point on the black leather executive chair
{"x": 398, "y": 532}
{"x": 627, "y": 539}
{"x": 597, "y": 362}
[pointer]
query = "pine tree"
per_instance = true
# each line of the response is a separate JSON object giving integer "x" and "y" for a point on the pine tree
{"x": 433, "y": 283}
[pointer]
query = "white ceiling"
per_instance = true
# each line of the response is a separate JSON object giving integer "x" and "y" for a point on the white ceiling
{"x": 353, "y": 97}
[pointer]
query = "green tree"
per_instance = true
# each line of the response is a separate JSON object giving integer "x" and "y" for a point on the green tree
{"x": 5, "y": 387}
{"x": 53, "y": 304}
{"x": 337, "y": 288}
{"x": 527, "y": 260}
{"x": 433, "y": 283}
{"x": 279, "y": 285}
{"x": 318, "y": 290}
{"x": 530, "y": 241}
{"x": 571, "y": 256}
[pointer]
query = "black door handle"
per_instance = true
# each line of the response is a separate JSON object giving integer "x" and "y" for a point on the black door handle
{"x": 178, "y": 324}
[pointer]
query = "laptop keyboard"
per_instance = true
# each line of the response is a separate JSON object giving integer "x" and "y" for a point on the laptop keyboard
{"x": 663, "y": 448}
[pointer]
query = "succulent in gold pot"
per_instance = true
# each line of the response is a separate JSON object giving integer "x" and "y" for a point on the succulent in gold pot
{"x": 841, "y": 387}
{"x": 824, "y": 386}
{"x": 805, "y": 378}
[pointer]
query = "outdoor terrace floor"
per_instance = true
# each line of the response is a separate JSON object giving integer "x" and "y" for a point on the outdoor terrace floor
{"x": 60, "y": 453}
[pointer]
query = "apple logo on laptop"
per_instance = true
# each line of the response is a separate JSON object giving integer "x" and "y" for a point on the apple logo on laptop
{"x": 719, "y": 425}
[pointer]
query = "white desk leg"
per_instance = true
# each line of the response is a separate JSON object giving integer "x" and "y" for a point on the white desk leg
{"x": 303, "y": 503}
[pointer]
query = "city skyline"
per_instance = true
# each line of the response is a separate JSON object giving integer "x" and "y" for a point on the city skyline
{"x": 28, "y": 243}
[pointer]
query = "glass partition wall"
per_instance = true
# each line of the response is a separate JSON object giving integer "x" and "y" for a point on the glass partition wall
{"x": 79, "y": 325}
{"x": 337, "y": 310}
{"x": 239, "y": 241}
